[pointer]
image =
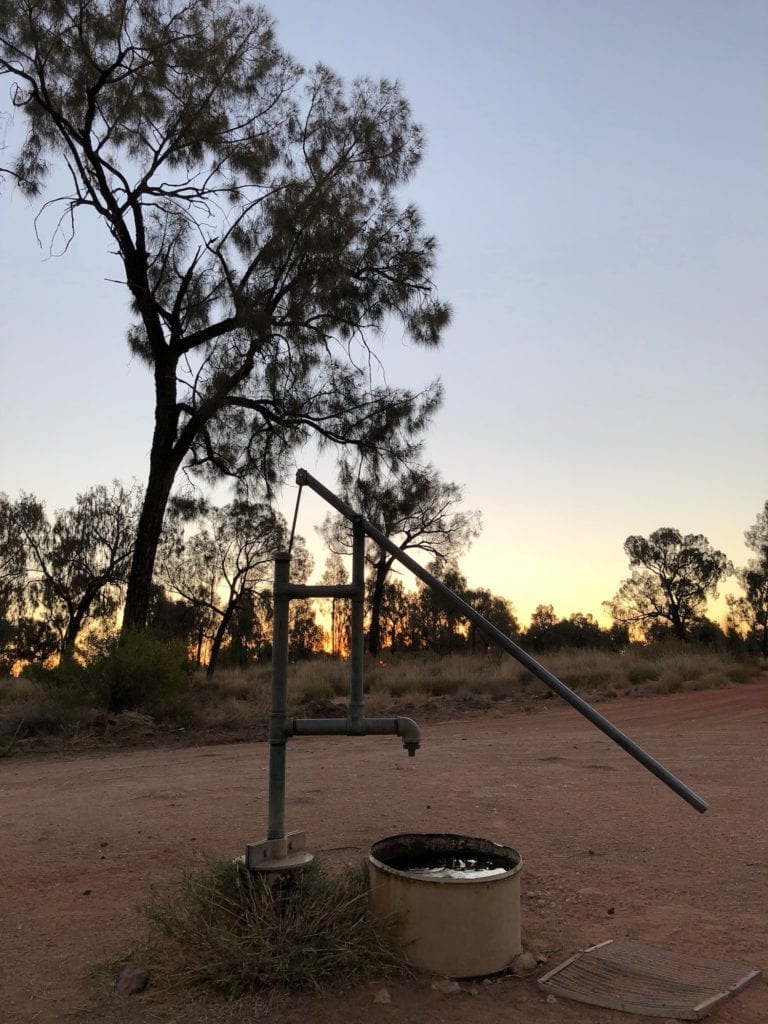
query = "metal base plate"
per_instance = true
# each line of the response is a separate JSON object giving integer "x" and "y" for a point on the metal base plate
{"x": 284, "y": 854}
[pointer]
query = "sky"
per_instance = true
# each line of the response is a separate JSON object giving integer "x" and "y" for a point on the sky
{"x": 596, "y": 175}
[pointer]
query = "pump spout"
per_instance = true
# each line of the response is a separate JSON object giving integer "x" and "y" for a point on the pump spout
{"x": 405, "y": 728}
{"x": 410, "y": 733}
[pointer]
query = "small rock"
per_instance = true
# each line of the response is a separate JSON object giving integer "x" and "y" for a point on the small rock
{"x": 132, "y": 978}
{"x": 541, "y": 958}
{"x": 551, "y": 998}
{"x": 474, "y": 990}
{"x": 611, "y": 911}
{"x": 87, "y": 892}
{"x": 382, "y": 996}
{"x": 524, "y": 965}
{"x": 487, "y": 981}
{"x": 446, "y": 986}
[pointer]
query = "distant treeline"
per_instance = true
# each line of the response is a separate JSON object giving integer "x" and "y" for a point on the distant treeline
{"x": 62, "y": 579}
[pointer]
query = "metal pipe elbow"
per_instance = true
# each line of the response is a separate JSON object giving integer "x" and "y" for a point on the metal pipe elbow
{"x": 410, "y": 734}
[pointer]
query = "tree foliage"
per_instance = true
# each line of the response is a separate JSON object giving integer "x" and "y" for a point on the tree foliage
{"x": 579, "y": 630}
{"x": 671, "y": 579}
{"x": 749, "y": 614}
{"x": 76, "y": 563}
{"x": 414, "y": 508}
{"x": 222, "y": 565}
{"x": 254, "y": 209}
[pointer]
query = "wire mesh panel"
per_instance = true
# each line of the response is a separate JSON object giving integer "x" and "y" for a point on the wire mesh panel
{"x": 640, "y": 979}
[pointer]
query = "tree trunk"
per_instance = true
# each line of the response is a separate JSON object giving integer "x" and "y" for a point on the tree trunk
{"x": 374, "y": 630}
{"x": 219, "y": 636}
{"x": 75, "y": 623}
{"x": 162, "y": 473}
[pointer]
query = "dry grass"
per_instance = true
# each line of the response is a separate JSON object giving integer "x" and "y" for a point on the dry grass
{"x": 229, "y": 931}
{"x": 236, "y": 703}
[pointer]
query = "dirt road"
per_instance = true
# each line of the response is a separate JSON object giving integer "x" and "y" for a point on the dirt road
{"x": 84, "y": 837}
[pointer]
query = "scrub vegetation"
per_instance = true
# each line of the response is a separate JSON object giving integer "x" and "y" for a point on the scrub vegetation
{"x": 235, "y": 933}
{"x": 165, "y": 699}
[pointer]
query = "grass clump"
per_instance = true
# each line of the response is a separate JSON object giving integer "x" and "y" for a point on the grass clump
{"x": 239, "y": 933}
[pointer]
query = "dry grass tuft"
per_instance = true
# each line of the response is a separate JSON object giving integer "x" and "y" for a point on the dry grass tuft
{"x": 239, "y": 933}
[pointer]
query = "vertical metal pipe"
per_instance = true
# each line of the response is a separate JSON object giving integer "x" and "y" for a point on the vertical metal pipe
{"x": 278, "y": 714}
{"x": 357, "y": 639}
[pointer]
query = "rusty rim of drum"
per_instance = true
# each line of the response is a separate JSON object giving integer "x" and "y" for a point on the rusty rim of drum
{"x": 414, "y": 843}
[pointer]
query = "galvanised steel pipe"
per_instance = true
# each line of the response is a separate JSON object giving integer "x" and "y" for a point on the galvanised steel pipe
{"x": 655, "y": 767}
{"x": 356, "y": 633}
{"x": 279, "y": 711}
{"x": 406, "y": 728}
{"x": 302, "y": 591}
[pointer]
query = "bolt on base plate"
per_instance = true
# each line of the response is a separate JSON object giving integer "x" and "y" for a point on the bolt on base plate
{"x": 283, "y": 854}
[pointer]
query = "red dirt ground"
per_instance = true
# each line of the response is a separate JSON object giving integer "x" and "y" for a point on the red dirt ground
{"x": 83, "y": 838}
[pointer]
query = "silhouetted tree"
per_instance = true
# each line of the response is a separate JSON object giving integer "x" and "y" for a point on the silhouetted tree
{"x": 749, "y": 614}
{"x": 416, "y": 510}
{"x": 672, "y": 577}
{"x": 336, "y": 574}
{"x": 254, "y": 207}
{"x": 12, "y": 568}
{"x": 77, "y": 563}
{"x": 579, "y": 630}
{"x": 497, "y": 610}
{"x": 436, "y": 625}
{"x": 218, "y": 567}
{"x": 543, "y": 621}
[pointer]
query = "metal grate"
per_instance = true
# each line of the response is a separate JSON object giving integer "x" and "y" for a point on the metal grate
{"x": 637, "y": 978}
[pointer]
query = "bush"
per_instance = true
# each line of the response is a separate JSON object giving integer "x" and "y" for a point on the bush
{"x": 70, "y": 687}
{"x": 143, "y": 673}
{"x": 241, "y": 933}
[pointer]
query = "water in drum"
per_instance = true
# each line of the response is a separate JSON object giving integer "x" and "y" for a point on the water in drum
{"x": 444, "y": 864}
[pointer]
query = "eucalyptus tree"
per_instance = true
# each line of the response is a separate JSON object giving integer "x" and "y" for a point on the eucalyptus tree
{"x": 336, "y": 574}
{"x": 672, "y": 576}
{"x": 12, "y": 564}
{"x": 254, "y": 208}
{"x": 76, "y": 563}
{"x": 12, "y": 585}
{"x": 436, "y": 624}
{"x": 415, "y": 509}
{"x": 222, "y": 564}
{"x": 750, "y": 612}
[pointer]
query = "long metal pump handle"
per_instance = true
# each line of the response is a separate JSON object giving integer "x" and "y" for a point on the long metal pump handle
{"x": 610, "y": 730}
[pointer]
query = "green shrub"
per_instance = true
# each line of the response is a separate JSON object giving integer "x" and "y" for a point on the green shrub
{"x": 71, "y": 687}
{"x": 142, "y": 673}
{"x": 145, "y": 673}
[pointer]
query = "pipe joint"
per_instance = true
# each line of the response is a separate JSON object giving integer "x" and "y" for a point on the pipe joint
{"x": 410, "y": 735}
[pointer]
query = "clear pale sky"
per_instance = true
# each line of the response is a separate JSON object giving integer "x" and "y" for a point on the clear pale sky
{"x": 597, "y": 177}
